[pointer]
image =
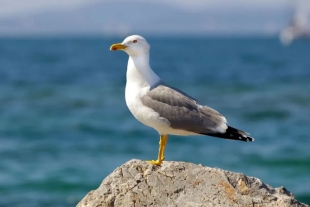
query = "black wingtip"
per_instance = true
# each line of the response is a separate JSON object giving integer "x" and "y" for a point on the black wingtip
{"x": 250, "y": 139}
{"x": 233, "y": 134}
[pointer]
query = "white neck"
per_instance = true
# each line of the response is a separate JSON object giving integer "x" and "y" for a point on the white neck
{"x": 140, "y": 64}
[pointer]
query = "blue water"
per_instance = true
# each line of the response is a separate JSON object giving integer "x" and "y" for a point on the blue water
{"x": 65, "y": 126}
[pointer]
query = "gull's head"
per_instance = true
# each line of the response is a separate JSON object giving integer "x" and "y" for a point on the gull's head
{"x": 133, "y": 45}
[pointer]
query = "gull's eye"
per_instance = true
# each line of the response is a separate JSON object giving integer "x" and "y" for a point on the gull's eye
{"x": 134, "y": 41}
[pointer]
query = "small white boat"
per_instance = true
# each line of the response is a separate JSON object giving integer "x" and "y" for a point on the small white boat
{"x": 298, "y": 27}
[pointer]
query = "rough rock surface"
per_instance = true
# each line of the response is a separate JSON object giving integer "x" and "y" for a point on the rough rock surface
{"x": 137, "y": 183}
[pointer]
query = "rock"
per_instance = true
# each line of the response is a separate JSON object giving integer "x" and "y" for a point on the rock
{"x": 138, "y": 183}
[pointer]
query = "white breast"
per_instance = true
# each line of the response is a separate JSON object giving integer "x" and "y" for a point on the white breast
{"x": 136, "y": 87}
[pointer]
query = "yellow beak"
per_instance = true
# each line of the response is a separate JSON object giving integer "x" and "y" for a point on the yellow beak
{"x": 117, "y": 46}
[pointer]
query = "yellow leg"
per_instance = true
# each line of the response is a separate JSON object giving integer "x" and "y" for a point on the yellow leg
{"x": 162, "y": 145}
{"x": 164, "y": 140}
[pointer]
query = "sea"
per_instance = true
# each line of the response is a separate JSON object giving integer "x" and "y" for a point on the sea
{"x": 65, "y": 125}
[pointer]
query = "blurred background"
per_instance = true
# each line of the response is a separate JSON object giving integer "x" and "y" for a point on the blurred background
{"x": 64, "y": 123}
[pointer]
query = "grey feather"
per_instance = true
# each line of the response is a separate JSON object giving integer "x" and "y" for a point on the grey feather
{"x": 181, "y": 110}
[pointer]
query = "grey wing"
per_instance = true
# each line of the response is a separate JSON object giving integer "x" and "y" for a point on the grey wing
{"x": 182, "y": 111}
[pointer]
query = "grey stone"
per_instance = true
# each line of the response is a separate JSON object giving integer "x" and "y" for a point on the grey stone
{"x": 177, "y": 184}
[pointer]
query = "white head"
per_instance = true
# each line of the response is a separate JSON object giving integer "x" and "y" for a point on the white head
{"x": 133, "y": 45}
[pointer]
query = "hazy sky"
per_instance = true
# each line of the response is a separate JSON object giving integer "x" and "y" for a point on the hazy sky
{"x": 26, "y": 17}
{"x": 17, "y": 7}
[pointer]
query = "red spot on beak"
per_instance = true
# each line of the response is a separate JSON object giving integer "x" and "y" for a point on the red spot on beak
{"x": 114, "y": 48}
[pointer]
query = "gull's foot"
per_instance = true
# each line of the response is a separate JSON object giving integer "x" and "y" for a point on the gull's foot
{"x": 155, "y": 162}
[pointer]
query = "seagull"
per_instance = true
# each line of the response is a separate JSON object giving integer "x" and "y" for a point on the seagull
{"x": 166, "y": 109}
